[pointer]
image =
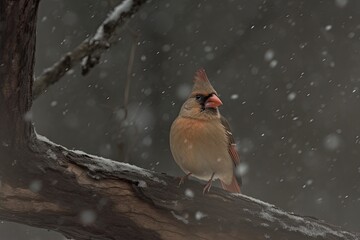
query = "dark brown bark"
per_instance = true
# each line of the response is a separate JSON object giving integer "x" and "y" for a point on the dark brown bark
{"x": 132, "y": 203}
{"x": 87, "y": 197}
{"x": 17, "y": 48}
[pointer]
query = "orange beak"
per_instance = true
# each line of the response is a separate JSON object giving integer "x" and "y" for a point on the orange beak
{"x": 213, "y": 102}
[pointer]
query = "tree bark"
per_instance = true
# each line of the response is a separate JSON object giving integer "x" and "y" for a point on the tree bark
{"x": 88, "y": 197}
{"x": 17, "y": 49}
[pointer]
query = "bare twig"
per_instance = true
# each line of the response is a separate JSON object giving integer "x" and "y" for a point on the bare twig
{"x": 121, "y": 145}
{"x": 90, "y": 50}
{"x": 136, "y": 37}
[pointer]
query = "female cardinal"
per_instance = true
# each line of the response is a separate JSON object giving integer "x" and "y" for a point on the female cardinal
{"x": 200, "y": 138}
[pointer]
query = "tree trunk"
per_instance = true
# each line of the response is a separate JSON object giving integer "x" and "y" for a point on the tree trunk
{"x": 17, "y": 49}
{"x": 88, "y": 197}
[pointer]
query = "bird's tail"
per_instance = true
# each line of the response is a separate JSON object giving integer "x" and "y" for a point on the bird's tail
{"x": 232, "y": 187}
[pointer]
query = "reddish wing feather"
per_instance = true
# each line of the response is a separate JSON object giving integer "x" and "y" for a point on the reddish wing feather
{"x": 234, "y": 155}
{"x": 232, "y": 146}
{"x": 234, "y": 185}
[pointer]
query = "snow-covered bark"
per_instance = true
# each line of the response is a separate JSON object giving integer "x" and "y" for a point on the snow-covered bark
{"x": 82, "y": 196}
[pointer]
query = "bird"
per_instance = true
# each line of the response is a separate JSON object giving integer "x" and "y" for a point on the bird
{"x": 201, "y": 141}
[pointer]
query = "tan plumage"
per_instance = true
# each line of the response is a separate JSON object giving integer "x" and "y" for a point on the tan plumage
{"x": 200, "y": 138}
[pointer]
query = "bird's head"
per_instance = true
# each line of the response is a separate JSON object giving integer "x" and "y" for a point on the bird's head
{"x": 203, "y": 101}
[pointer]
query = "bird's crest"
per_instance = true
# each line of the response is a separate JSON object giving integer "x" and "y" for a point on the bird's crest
{"x": 202, "y": 83}
{"x": 200, "y": 75}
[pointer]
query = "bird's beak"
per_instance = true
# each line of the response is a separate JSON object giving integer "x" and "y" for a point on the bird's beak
{"x": 213, "y": 102}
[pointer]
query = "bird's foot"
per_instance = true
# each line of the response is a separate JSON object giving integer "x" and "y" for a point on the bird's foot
{"x": 183, "y": 178}
{"x": 208, "y": 184}
{"x": 207, "y": 187}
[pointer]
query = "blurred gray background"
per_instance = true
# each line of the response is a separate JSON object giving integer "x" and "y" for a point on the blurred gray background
{"x": 287, "y": 72}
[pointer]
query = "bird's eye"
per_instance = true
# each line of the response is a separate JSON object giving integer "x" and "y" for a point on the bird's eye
{"x": 199, "y": 97}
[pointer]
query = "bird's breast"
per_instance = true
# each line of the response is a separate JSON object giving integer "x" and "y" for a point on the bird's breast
{"x": 200, "y": 147}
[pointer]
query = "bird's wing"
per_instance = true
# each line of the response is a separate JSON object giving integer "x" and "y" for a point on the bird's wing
{"x": 231, "y": 141}
{"x": 236, "y": 182}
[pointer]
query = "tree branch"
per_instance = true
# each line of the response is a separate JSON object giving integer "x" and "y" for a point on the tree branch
{"x": 84, "y": 196}
{"x": 89, "y": 51}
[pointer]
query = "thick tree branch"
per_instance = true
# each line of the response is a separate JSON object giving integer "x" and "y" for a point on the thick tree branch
{"x": 87, "y": 197}
{"x": 89, "y": 51}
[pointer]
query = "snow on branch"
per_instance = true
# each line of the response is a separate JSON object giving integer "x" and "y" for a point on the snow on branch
{"x": 112, "y": 20}
{"x": 89, "y": 51}
{"x": 136, "y": 203}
